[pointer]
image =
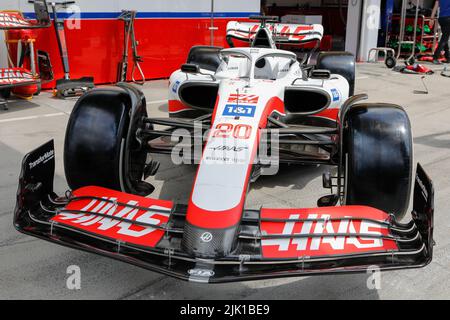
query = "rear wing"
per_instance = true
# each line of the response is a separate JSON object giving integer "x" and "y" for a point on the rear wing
{"x": 16, "y": 20}
{"x": 283, "y": 33}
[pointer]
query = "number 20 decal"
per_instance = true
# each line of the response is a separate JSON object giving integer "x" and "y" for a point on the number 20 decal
{"x": 225, "y": 130}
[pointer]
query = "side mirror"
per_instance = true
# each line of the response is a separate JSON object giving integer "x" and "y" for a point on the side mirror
{"x": 320, "y": 74}
{"x": 190, "y": 68}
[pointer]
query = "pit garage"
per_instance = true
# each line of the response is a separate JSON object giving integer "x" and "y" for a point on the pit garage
{"x": 65, "y": 66}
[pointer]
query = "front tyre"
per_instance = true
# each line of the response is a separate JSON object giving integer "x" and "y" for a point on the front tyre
{"x": 101, "y": 147}
{"x": 377, "y": 154}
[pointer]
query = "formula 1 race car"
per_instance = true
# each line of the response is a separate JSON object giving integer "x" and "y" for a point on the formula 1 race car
{"x": 235, "y": 103}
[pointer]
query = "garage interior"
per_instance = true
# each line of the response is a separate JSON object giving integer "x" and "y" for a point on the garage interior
{"x": 331, "y": 14}
{"x": 342, "y": 23}
{"x": 34, "y": 269}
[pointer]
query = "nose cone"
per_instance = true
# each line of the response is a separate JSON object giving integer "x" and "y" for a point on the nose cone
{"x": 209, "y": 243}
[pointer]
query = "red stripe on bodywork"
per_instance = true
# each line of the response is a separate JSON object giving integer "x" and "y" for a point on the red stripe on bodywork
{"x": 177, "y": 106}
{"x": 331, "y": 114}
{"x": 274, "y": 104}
{"x": 213, "y": 116}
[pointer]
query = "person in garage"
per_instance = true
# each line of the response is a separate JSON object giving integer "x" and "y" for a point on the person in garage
{"x": 264, "y": 10}
{"x": 444, "y": 21}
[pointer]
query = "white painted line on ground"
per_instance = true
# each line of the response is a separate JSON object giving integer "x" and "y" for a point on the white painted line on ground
{"x": 379, "y": 75}
{"x": 157, "y": 101}
{"x": 34, "y": 117}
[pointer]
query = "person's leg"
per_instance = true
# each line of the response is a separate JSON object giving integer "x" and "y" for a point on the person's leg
{"x": 437, "y": 52}
{"x": 447, "y": 52}
{"x": 443, "y": 43}
{"x": 446, "y": 36}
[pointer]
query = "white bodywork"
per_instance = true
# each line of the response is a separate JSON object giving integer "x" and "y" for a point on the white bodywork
{"x": 248, "y": 93}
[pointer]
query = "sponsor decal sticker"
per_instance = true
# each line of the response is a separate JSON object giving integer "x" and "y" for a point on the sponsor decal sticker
{"x": 229, "y": 148}
{"x": 321, "y": 242}
{"x": 175, "y": 86}
{"x": 237, "y": 110}
{"x": 423, "y": 189}
{"x": 336, "y": 95}
{"x": 123, "y": 223}
{"x": 42, "y": 159}
{"x": 201, "y": 273}
{"x": 206, "y": 237}
{"x": 243, "y": 98}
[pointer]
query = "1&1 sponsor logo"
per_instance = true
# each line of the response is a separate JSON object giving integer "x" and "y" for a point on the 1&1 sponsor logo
{"x": 336, "y": 95}
{"x": 235, "y": 110}
{"x": 175, "y": 86}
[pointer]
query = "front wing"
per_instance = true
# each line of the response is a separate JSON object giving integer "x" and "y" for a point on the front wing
{"x": 271, "y": 243}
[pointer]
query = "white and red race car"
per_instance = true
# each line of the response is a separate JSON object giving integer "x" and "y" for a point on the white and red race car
{"x": 247, "y": 110}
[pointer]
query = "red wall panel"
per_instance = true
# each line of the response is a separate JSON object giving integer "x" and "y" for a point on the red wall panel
{"x": 95, "y": 49}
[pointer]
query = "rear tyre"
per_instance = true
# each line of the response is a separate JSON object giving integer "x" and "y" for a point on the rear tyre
{"x": 342, "y": 63}
{"x": 101, "y": 146}
{"x": 377, "y": 149}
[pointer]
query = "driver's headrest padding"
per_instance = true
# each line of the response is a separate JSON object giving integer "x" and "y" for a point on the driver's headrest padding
{"x": 206, "y": 57}
{"x": 261, "y": 39}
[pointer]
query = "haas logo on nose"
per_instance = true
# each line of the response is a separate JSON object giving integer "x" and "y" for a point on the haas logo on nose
{"x": 206, "y": 237}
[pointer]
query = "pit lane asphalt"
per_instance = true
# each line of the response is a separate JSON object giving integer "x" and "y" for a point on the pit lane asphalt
{"x": 32, "y": 268}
